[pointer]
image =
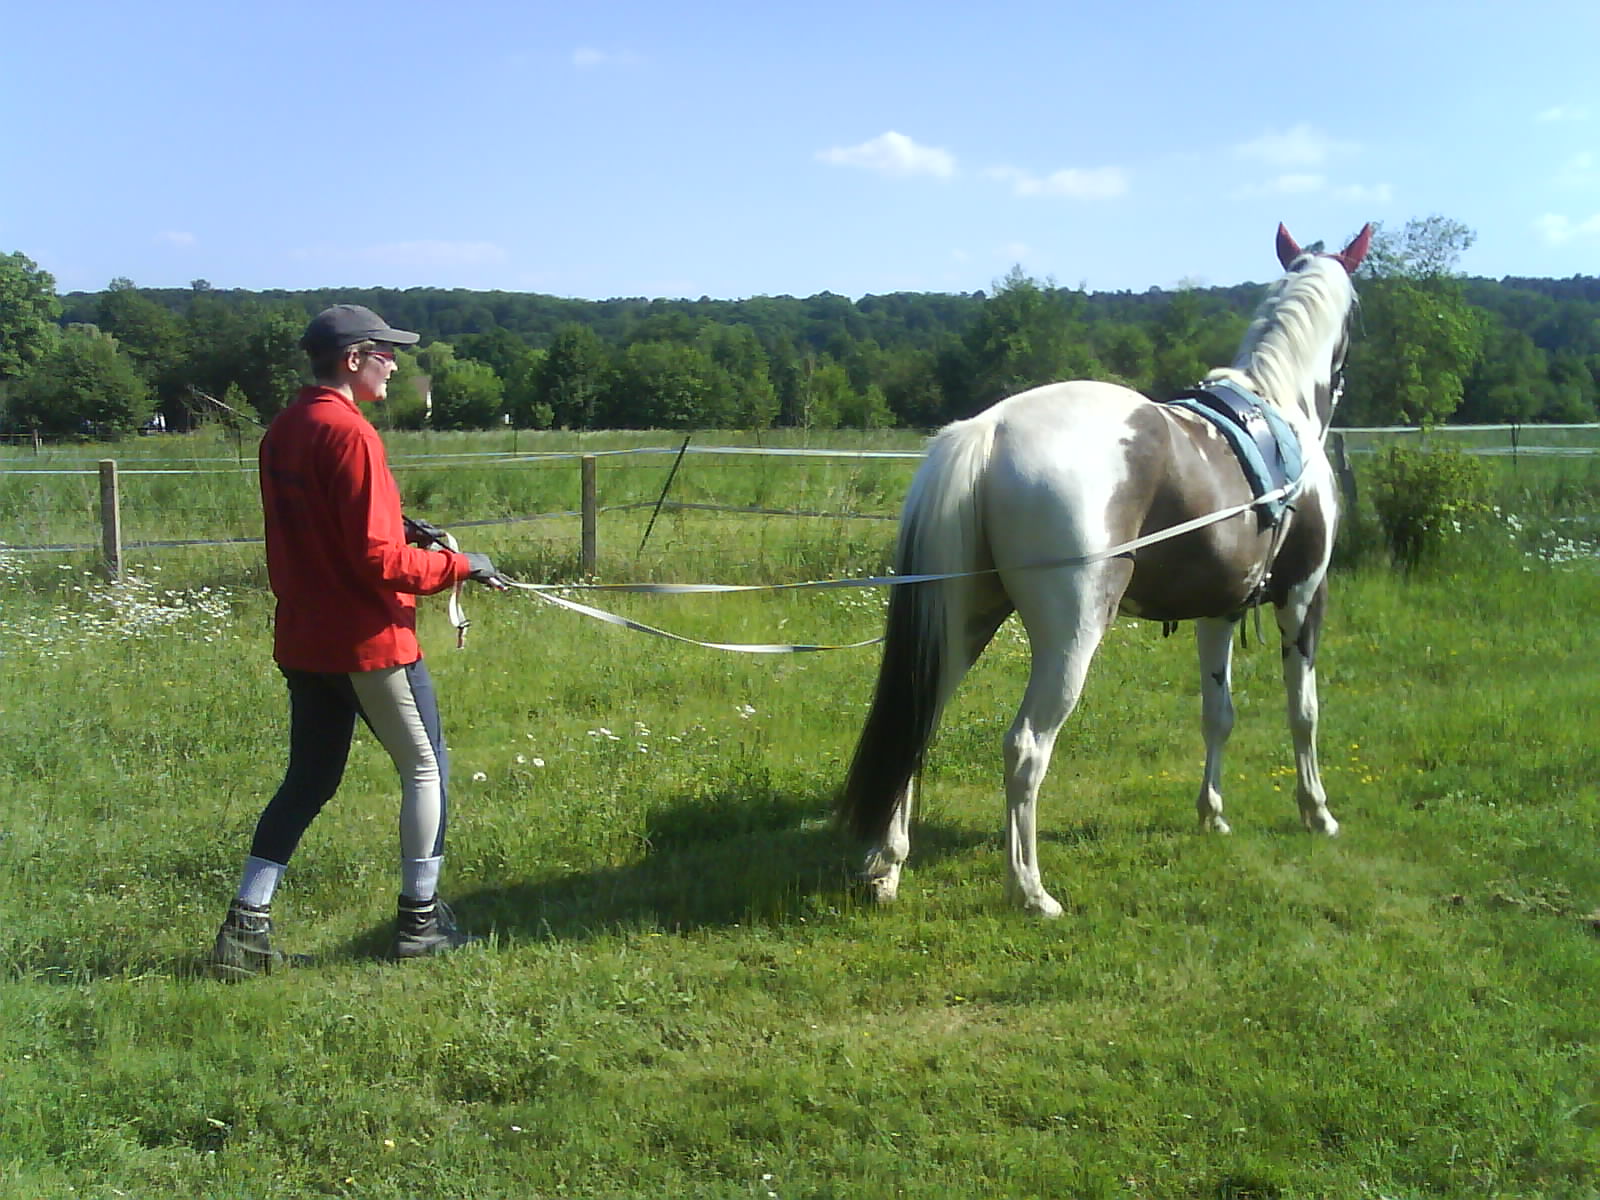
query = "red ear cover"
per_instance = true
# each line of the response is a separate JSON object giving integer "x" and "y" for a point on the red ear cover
{"x": 1350, "y": 257}
{"x": 1288, "y": 248}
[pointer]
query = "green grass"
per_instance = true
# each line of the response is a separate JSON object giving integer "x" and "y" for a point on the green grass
{"x": 684, "y": 996}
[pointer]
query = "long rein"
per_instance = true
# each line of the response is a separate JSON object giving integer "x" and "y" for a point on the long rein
{"x": 549, "y": 591}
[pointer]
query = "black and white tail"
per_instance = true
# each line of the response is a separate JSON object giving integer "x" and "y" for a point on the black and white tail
{"x": 929, "y": 637}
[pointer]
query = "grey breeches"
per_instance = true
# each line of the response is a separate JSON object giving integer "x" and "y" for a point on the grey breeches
{"x": 399, "y": 706}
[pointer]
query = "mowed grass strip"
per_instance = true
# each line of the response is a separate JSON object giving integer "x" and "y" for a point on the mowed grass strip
{"x": 683, "y": 994}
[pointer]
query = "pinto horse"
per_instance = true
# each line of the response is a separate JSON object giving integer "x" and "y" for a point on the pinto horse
{"x": 1031, "y": 506}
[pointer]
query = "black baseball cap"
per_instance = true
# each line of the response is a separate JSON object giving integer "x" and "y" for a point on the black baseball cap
{"x": 345, "y": 325}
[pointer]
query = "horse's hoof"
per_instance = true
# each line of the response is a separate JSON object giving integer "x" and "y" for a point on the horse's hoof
{"x": 1214, "y": 824}
{"x": 1321, "y": 822}
{"x": 879, "y": 887}
{"x": 1043, "y": 905}
{"x": 881, "y": 891}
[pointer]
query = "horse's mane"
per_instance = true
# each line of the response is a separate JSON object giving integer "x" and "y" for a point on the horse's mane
{"x": 1288, "y": 347}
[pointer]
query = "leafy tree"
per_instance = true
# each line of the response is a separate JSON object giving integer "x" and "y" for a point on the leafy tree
{"x": 1193, "y": 334}
{"x": 866, "y": 409}
{"x": 575, "y": 374}
{"x": 1571, "y": 396}
{"x": 240, "y": 413}
{"x": 1027, "y": 334}
{"x": 1129, "y": 354}
{"x": 669, "y": 385}
{"x": 435, "y": 358}
{"x": 1511, "y": 382}
{"x": 406, "y": 405}
{"x": 83, "y": 387}
{"x": 28, "y": 312}
{"x": 911, "y": 387}
{"x": 466, "y": 395}
{"x": 736, "y": 352}
{"x": 216, "y": 347}
{"x": 826, "y": 395}
{"x": 1422, "y": 337}
{"x": 151, "y": 335}
{"x": 515, "y": 363}
{"x": 272, "y": 366}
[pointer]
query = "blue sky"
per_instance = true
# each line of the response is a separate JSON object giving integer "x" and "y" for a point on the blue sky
{"x": 710, "y": 148}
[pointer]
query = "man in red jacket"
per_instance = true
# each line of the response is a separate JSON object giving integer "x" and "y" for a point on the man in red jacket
{"x": 346, "y": 582}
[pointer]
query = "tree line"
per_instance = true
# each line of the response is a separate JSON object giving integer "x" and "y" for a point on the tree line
{"x": 1431, "y": 345}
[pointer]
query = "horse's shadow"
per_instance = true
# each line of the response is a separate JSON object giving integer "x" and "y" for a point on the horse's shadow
{"x": 714, "y": 864}
{"x": 708, "y": 863}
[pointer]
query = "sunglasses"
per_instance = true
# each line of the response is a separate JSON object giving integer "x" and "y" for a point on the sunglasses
{"x": 385, "y": 355}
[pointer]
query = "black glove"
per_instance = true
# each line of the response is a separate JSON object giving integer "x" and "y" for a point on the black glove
{"x": 422, "y": 533}
{"x": 483, "y": 571}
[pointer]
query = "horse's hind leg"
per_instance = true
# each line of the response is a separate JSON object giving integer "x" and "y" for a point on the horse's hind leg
{"x": 1300, "y": 621}
{"x": 881, "y": 872}
{"x": 988, "y": 608}
{"x": 1213, "y": 639}
{"x": 1065, "y": 619}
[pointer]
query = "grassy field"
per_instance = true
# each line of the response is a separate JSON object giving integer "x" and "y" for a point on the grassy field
{"x": 682, "y": 994}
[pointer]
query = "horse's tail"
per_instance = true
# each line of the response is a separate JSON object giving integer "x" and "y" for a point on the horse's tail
{"x": 924, "y": 652}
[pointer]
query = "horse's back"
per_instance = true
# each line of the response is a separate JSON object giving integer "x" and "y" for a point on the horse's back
{"x": 1063, "y": 461}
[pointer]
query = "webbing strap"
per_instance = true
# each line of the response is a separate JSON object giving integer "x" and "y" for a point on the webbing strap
{"x": 546, "y": 591}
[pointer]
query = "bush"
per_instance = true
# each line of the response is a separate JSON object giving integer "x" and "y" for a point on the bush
{"x": 1424, "y": 499}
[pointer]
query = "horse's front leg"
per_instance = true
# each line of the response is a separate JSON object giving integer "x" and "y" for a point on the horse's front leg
{"x": 881, "y": 872}
{"x": 1300, "y": 623}
{"x": 1213, "y": 640}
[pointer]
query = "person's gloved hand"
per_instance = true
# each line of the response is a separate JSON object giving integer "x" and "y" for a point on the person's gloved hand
{"x": 483, "y": 571}
{"x": 422, "y": 533}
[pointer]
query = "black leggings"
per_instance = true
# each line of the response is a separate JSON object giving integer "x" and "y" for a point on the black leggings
{"x": 399, "y": 706}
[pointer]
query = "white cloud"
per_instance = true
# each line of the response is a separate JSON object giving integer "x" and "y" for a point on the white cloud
{"x": 1298, "y": 146}
{"x": 587, "y": 58}
{"x": 175, "y": 238}
{"x": 1291, "y": 184}
{"x": 1558, "y": 230}
{"x": 1365, "y": 193}
{"x": 1563, "y": 112}
{"x": 1078, "y": 183}
{"x": 1297, "y": 184}
{"x": 1578, "y": 171}
{"x": 892, "y": 154}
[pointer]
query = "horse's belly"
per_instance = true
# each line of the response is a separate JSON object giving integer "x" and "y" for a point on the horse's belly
{"x": 1189, "y": 578}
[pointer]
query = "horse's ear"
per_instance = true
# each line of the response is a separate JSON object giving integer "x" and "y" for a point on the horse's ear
{"x": 1350, "y": 257}
{"x": 1288, "y": 248}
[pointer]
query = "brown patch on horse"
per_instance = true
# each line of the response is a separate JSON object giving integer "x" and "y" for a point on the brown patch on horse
{"x": 1179, "y": 468}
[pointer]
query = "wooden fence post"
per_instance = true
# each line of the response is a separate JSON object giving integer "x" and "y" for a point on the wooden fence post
{"x": 110, "y": 520}
{"x": 586, "y": 558}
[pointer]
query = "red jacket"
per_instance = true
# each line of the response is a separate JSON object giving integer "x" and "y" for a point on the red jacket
{"x": 337, "y": 558}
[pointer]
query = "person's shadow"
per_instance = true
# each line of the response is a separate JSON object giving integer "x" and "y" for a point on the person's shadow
{"x": 721, "y": 861}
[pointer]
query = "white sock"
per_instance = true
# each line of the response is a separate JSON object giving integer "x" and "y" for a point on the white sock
{"x": 260, "y": 880}
{"x": 419, "y": 877}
